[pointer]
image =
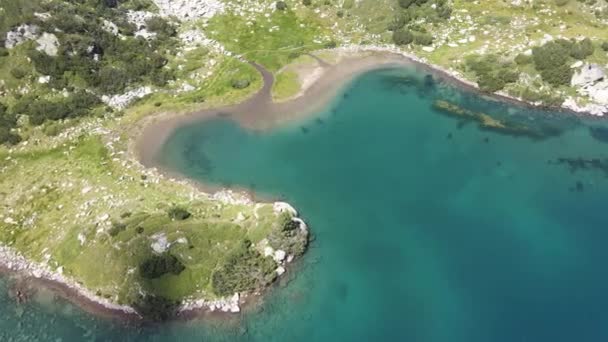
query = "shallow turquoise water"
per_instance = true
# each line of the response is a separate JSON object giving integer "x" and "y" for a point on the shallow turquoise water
{"x": 426, "y": 227}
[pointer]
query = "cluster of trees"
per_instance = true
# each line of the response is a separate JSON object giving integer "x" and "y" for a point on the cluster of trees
{"x": 89, "y": 57}
{"x": 244, "y": 270}
{"x": 492, "y": 73}
{"x": 289, "y": 237}
{"x": 7, "y": 123}
{"x": 553, "y": 59}
{"x": 40, "y": 110}
{"x": 158, "y": 265}
{"x": 404, "y": 32}
{"x": 106, "y": 62}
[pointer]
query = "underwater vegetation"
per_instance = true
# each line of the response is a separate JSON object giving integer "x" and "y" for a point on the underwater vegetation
{"x": 491, "y": 123}
{"x": 579, "y": 163}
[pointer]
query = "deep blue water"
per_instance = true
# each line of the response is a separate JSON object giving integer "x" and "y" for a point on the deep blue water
{"x": 426, "y": 227}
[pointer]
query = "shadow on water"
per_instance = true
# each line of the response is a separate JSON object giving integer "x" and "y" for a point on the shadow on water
{"x": 583, "y": 164}
{"x": 599, "y": 133}
{"x": 196, "y": 160}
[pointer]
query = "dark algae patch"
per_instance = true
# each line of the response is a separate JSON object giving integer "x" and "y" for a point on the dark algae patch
{"x": 487, "y": 122}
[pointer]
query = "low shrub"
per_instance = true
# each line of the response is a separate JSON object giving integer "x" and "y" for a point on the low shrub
{"x": 178, "y": 213}
{"x": 158, "y": 265}
{"x": 403, "y": 37}
{"x": 281, "y": 5}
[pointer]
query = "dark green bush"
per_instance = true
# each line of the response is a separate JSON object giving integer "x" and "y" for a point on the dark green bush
{"x": 178, "y": 213}
{"x": 398, "y": 22}
{"x": 281, "y": 5}
{"x": 3, "y": 52}
{"x": 492, "y": 74}
{"x": 161, "y": 27}
{"x": 605, "y": 46}
{"x": 331, "y": 44}
{"x": 522, "y": 59}
{"x": 403, "y": 37}
{"x": 18, "y": 72}
{"x": 306, "y": 2}
{"x": 117, "y": 227}
{"x": 552, "y": 61}
{"x": 582, "y": 49}
{"x": 244, "y": 270}
{"x": 423, "y": 39}
{"x": 406, "y": 3}
{"x": 158, "y": 265}
{"x": 240, "y": 83}
{"x": 7, "y": 137}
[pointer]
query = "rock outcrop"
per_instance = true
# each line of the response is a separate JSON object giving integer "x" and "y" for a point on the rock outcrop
{"x": 189, "y": 9}
{"x": 588, "y": 75}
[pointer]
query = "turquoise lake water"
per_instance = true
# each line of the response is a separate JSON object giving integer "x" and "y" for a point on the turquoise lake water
{"x": 426, "y": 227}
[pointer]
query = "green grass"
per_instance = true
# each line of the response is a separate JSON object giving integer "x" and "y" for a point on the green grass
{"x": 286, "y": 85}
{"x": 260, "y": 40}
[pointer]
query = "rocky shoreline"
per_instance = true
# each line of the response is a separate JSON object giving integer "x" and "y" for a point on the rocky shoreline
{"x": 568, "y": 105}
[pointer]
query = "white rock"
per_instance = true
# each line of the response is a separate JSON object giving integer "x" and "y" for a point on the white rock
{"x": 303, "y": 225}
{"x": 280, "y": 270}
{"x": 268, "y": 251}
{"x": 20, "y": 34}
{"x": 189, "y": 9}
{"x": 110, "y": 27}
{"x": 48, "y": 43}
{"x": 44, "y": 79}
{"x": 279, "y": 255}
{"x": 123, "y": 100}
{"x": 81, "y": 238}
{"x": 283, "y": 207}
{"x": 160, "y": 243}
{"x": 240, "y": 217}
{"x": 588, "y": 74}
{"x": 428, "y": 48}
{"x": 576, "y": 64}
{"x": 10, "y": 220}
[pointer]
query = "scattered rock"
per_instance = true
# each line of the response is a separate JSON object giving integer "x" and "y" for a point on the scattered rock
{"x": 189, "y": 9}
{"x": 20, "y": 34}
{"x": 279, "y": 255}
{"x": 48, "y": 43}
{"x": 160, "y": 243}
{"x": 123, "y": 100}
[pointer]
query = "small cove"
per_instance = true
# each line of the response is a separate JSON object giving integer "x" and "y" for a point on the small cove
{"x": 427, "y": 226}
